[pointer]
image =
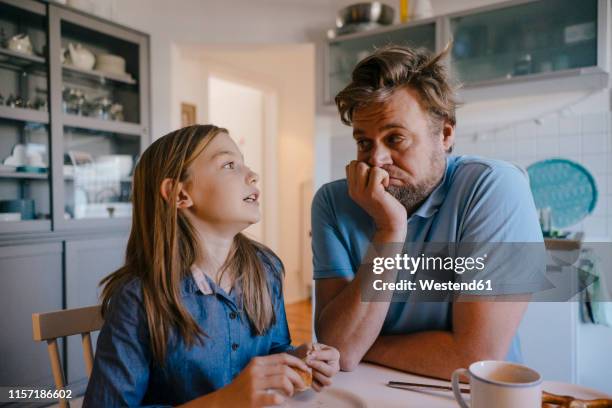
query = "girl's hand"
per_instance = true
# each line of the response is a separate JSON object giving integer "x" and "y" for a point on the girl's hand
{"x": 266, "y": 380}
{"x": 325, "y": 363}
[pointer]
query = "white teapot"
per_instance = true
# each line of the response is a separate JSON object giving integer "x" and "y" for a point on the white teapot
{"x": 81, "y": 57}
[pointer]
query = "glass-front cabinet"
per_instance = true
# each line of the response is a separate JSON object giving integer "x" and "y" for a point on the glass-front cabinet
{"x": 24, "y": 118}
{"x": 501, "y": 43}
{"x": 346, "y": 51}
{"x": 528, "y": 38}
{"x": 74, "y": 117}
{"x": 101, "y": 95}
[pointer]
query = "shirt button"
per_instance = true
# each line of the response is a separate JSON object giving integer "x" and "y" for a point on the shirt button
{"x": 235, "y": 346}
{"x": 233, "y": 315}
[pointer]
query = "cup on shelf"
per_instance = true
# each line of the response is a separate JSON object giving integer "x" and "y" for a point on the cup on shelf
{"x": 25, "y": 207}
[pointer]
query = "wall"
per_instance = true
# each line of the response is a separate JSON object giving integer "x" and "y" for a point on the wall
{"x": 215, "y": 22}
{"x": 288, "y": 71}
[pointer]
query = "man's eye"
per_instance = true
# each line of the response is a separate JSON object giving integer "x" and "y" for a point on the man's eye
{"x": 395, "y": 139}
{"x": 230, "y": 165}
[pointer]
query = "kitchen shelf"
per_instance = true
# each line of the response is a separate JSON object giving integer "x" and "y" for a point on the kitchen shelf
{"x": 20, "y": 58}
{"x": 85, "y": 122}
{"x": 24, "y": 175}
{"x": 68, "y": 177}
{"x": 99, "y": 76}
{"x": 24, "y": 114}
{"x": 25, "y": 226}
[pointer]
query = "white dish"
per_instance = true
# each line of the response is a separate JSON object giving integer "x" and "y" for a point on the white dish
{"x": 328, "y": 398}
{"x": 10, "y": 216}
{"x": 111, "y": 63}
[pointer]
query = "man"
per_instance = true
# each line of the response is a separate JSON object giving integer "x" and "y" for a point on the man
{"x": 405, "y": 187}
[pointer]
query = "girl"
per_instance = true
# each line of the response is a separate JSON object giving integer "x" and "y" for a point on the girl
{"x": 196, "y": 314}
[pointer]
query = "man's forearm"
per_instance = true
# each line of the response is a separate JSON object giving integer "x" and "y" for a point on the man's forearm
{"x": 430, "y": 353}
{"x": 347, "y": 322}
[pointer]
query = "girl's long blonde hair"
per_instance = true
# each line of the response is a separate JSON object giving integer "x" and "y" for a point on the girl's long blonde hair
{"x": 163, "y": 245}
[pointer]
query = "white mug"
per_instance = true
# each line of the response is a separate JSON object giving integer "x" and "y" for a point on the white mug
{"x": 500, "y": 384}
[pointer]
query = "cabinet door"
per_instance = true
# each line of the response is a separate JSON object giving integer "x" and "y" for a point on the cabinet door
{"x": 344, "y": 54}
{"x": 535, "y": 37}
{"x": 31, "y": 283}
{"x": 24, "y": 146}
{"x": 100, "y": 105}
{"x": 87, "y": 262}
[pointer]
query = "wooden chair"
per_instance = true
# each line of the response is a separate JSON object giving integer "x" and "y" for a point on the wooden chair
{"x": 53, "y": 325}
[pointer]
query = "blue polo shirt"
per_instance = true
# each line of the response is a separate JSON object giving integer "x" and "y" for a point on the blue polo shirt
{"x": 477, "y": 200}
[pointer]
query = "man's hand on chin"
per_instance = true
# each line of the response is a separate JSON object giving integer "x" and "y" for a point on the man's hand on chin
{"x": 367, "y": 187}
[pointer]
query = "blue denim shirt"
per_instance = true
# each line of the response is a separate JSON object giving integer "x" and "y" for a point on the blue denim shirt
{"x": 125, "y": 373}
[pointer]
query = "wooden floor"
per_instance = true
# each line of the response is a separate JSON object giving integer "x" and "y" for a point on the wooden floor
{"x": 299, "y": 317}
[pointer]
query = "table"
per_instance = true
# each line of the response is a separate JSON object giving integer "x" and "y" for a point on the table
{"x": 368, "y": 382}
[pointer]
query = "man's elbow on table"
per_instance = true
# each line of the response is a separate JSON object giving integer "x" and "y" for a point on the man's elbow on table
{"x": 349, "y": 357}
{"x": 349, "y": 361}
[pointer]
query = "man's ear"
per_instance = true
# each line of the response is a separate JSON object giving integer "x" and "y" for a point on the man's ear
{"x": 183, "y": 199}
{"x": 448, "y": 136}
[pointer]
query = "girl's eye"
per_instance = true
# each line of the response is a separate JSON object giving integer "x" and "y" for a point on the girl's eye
{"x": 362, "y": 144}
{"x": 230, "y": 165}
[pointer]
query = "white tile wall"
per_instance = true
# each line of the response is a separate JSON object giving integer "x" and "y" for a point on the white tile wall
{"x": 586, "y": 139}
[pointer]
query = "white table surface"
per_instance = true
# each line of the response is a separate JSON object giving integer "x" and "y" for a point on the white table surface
{"x": 368, "y": 383}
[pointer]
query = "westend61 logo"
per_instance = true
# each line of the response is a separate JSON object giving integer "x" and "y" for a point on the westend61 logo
{"x": 413, "y": 264}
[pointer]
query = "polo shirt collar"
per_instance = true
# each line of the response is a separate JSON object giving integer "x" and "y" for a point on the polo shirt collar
{"x": 433, "y": 202}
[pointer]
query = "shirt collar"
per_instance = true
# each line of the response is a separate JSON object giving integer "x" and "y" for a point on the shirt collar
{"x": 198, "y": 280}
{"x": 201, "y": 280}
{"x": 432, "y": 203}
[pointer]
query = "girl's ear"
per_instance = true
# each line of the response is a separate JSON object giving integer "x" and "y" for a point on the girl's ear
{"x": 183, "y": 200}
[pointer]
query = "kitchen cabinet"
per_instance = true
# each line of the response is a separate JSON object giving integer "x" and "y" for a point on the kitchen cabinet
{"x": 103, "y": 116}
{"x": 25, "y": 187}
{"x": 346, "y": 51}
{"x": 79, "y": 131}
{"x": 534, "y": 38}
{"x": 504, "y": 43}
{"x": 74, "y": 118}
{"x": 86, "y": 263}
{"x": 31, "y": 282}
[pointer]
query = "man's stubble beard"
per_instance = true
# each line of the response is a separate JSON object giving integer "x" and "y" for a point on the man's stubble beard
{"x": 412, "y": 196}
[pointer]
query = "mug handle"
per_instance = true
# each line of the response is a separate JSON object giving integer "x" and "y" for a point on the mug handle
{"x": 456, "y": 387}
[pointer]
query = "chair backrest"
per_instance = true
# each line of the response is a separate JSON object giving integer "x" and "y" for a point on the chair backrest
{"x": 52, "y": 325}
